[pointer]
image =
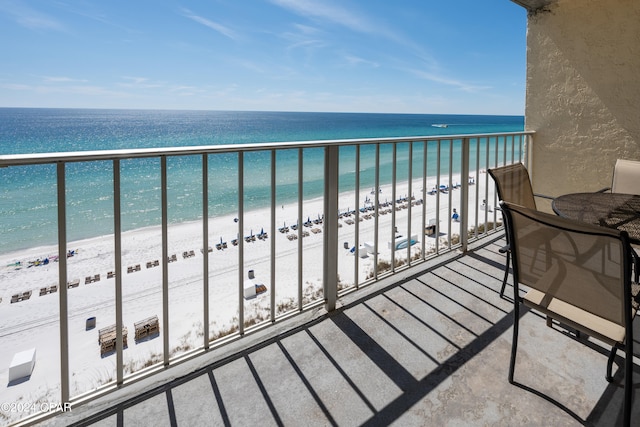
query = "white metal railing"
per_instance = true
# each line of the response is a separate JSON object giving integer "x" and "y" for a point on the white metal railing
{"x": 461, "y": 156}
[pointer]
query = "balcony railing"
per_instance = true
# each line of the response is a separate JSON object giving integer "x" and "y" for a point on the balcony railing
{"x": 373, "y": 207}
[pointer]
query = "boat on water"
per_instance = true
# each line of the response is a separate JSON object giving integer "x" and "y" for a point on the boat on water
{"x": 440, "y": 125}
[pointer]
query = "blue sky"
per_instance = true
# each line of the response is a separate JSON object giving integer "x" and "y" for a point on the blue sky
{"x": 401, "y": 56}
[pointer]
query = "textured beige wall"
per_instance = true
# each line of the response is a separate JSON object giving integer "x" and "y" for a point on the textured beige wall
{"x": 583, "y": 92}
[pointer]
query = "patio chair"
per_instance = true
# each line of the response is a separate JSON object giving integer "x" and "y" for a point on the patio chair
{"x": 513, "y": 186}
{"x": 626, "y": 177}
{"x": 581, "y": 277}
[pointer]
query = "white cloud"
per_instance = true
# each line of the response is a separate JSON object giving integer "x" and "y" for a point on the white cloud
{"x": 30, "y": 18}
{"x": 227, "y": 32}
{"x": 467, "y": 87}
{"x": 331, "y": 13}
{"x": 60, "y": 79}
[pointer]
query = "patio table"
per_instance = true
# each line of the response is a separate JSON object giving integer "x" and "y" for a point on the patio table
{"x": 614, "y": 210}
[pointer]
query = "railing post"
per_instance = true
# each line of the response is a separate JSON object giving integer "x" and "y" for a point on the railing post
{"x": 205, "y": 244}
{"x": 117, "y": 240}
{"x": 464, "y": 195}
{"x": 165, "y": 253}
{"x": 331, "y": 172}
{"x": 62, "y": 278}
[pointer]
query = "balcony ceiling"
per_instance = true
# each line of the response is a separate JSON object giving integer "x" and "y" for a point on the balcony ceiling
{"x": 533, "y": 4}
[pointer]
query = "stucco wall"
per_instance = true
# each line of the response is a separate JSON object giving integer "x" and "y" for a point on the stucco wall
{"x": 583, "y": 92}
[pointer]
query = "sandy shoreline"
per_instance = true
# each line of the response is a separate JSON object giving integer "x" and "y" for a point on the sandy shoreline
{"x": 33, "y": 323}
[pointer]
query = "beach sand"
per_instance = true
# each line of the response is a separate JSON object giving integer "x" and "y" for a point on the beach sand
{"x": 34, "y": 323}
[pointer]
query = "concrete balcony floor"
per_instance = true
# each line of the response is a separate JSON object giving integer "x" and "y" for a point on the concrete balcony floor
{"x": 429, "y": 346}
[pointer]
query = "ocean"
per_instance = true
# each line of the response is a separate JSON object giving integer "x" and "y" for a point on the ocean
{"x": 28, "y": 194}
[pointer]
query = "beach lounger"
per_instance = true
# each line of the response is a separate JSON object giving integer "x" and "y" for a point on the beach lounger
{"x": 147, "y": 328}
{"x": 172, "y": 258}
{"x": 48, "y": 290}
{"x": 111, "y": 274}
{"x": 73, "y": 284}
{"x": 107, "y": 339}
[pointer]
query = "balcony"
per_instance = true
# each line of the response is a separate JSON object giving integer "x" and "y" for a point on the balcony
{"x": 389, "y": 327}
{"x": 428, "y": 346}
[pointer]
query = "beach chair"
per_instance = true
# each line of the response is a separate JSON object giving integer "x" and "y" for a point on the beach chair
{"x": 513, "y": 186}
{"x": 146, "y": 328}
{"x": 580, "y": 276}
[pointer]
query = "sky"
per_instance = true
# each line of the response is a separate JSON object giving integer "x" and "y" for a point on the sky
{"x": 401, "y": 56}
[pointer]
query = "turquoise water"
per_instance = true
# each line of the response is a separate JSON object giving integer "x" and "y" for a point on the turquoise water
{"x": 28, "y": 194}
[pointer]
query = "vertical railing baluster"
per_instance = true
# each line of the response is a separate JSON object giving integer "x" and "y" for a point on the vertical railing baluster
{"x": 438, "y": 168}
{"x": 357, "y": 225}
{"x": 62, "y": 279}
{"x": 486, "y": 181}
{"x": 424, "y": 200}
{"x": 273, "y": 237}
{"x": 376, "y": 231}
{"x": 410, "y": 196}
{"x": 504, "y": 150}
{"x": 117, "y": 236}
{"x": 513, "y": 148}
{"x": 394, "y": 195}
{"x": 476, "y": 178}
{"x": 464, "y": 195}
{"x": 241, "y": 243}
{"x": 300, "y": 226}
{"x": 205, "y": 243}
{"x": 165, "y": 254}
{"x": 520, "y": 147}
{"x": 450, "y": 192}
{"x": 330, "y": 238}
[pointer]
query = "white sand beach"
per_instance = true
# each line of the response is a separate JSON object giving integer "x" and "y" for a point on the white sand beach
{"x": 33, "y": 323}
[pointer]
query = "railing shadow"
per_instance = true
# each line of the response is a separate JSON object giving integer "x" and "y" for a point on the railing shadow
{"x": 350, "y": 327}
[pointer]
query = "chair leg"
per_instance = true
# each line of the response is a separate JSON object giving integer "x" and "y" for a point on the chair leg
{"x": 628, "y": 378}
{"x": 506, "y": 274}
{"x": 612, "y": 356}
{"x": 514, "y": 342}
{"x": 636, "y": 265}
